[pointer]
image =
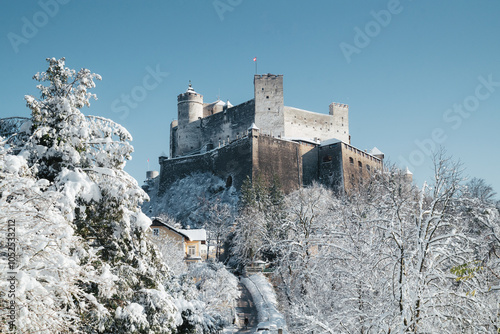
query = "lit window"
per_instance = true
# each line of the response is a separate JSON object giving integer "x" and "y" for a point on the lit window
{"x": 156, "y": 231}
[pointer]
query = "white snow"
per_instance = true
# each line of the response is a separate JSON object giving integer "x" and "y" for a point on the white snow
{"x": 264, "y": 299}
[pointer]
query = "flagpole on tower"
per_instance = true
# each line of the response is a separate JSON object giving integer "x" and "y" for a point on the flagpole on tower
{"x": 255, "y": 61}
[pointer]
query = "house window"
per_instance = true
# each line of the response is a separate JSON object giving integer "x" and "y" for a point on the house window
{"x": 351, "y": 160}
{"x": 192, "y": 250}
{"x": 156, "y": 231}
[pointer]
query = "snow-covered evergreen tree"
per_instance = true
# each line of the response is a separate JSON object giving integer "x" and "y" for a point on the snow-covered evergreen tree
{"x": 87, "y": 263}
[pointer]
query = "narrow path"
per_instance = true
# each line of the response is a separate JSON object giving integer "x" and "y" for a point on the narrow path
{"x": 246, "y": 309}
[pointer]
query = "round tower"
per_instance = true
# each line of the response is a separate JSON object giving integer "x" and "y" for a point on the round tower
{"x": 189, "y": 106}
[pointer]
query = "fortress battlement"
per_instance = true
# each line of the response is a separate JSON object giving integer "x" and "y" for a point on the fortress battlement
{"x": 263, "y": 137}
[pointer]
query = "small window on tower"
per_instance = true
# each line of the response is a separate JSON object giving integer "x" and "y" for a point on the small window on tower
{"x": 268, "y": 109}
{"x": 262, "y": 88}
{"x": 360, "y": 164}
{"x": 351, "y": 160}
{"x": 267, "y": 96}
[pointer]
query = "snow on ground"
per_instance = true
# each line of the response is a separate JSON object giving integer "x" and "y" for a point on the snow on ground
{"x": 187, "y": 199}
{"x": 265, "y": 301}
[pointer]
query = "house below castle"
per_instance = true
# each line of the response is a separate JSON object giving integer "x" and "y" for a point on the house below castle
{"x": 263, "y": 137}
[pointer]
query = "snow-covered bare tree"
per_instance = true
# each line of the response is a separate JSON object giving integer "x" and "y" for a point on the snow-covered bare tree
{"x": 217, "y": 288}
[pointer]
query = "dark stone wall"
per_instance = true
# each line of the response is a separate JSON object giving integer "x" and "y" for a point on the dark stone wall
{"x": 218, "y": 129}
{"x": 276, "y": 157}
{"x": 331, "y": 166}
{"x": 233, "y": 160}
{"x": 310, "y": 166}
{"x": 233, "y": 122}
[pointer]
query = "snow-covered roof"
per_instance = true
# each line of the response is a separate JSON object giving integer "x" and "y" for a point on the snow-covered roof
{"x": 190, "y": 88}
{"x": 253, "y": 127}
{"x": 330, "y": 142}
{"x": 195, "y": 235}
{"x": 296, "y": 139}
{"x": 159, "y": 222}
{"x": 376, "y": 151}
{"x": 407, "y": 171}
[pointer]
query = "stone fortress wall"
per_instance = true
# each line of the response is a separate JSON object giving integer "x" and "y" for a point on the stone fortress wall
{"x": 201, "y": 126}
{"x": 264, "y": 138}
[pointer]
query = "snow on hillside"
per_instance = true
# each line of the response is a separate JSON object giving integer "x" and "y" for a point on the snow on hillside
{"x": 186, "y": 199}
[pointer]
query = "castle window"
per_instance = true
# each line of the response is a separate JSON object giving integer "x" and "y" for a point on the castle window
{"x": 268, "y": 108}
{"x": 351, "y": 160}
{"x": 360, "y": 165}
{"x": 262, "y": 88}
{"x": 327, "y": 158}
{"x": 368, "y": 167}
{"x": 267, "y": 96}
{"x": 156, "y": 231}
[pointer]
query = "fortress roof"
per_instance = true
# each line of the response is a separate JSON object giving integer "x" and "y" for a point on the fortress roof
{"x": 330, "y": 141}
{"x": 253, "y": 127}
{"x": 376, "y": 151}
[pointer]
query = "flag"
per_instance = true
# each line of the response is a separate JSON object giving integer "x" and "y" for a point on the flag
{"x": 255, "y": 59}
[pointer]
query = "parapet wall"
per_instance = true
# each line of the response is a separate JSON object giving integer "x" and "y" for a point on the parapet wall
{"x": 215, "y": 130}
{"x": 312, "y": 126}
{"x": 233, "y": 160}
{"x": 252, "y": 156}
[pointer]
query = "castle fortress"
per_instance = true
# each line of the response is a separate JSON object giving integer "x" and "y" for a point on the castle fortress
{"x": 263, "y": 137}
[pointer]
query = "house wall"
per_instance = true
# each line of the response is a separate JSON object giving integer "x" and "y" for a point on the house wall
{"x": 195, "y": 243}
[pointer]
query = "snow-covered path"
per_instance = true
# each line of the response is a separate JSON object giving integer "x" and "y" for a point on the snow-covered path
{"x": 246, "y": 309}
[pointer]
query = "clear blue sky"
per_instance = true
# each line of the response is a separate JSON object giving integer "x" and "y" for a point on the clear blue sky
{"x": 422, "y": 70}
